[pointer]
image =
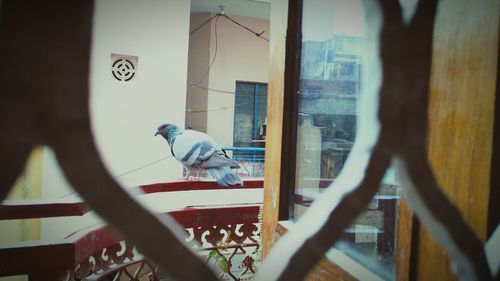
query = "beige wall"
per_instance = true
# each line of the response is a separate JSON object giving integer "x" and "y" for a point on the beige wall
{"x": 241, "y": 56}
{"x": 198, "y": 62}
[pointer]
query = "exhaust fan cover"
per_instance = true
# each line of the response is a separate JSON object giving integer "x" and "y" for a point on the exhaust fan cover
{"x": 124, "y": 67}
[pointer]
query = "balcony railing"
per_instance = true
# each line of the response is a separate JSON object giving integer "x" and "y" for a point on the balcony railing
{"x": 251, "y": 160}
{"x": 226, "y": 236}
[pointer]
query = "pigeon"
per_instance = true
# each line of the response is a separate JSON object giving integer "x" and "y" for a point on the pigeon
{"x": 197, "y": 151}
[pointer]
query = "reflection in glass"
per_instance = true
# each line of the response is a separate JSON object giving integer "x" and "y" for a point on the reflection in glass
{"x": 330, "y": 87}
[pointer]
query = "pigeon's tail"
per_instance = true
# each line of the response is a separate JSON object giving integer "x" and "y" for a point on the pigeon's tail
{"x": 225, "y": 176}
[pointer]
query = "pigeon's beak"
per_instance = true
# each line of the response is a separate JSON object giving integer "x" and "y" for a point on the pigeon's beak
{"x": 157, "y": 133}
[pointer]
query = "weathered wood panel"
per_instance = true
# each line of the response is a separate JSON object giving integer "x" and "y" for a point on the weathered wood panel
{"x": 465, "y": 53}
{"x": 279, "y": 10}
{"x": 405, "y": 228}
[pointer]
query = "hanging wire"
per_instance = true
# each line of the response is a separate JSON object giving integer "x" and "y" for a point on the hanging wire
{"x": 213, "y": 59}
{"x": 196, "y": 84}
{"x": 210, "y": 110}
{"x": 258, "y": 34}
{"x": 250, "y": 30}
{"x": 213, "y": 89}
{"x": 220, "y": 108}
{"x": 219, "y": 90}
{"x": 201, "y": 25}
{"x": 145, "y": 166}
{"x": 129, "y": 172}
{"x": 189, "y": 110}
{"x": 189, "y": 114}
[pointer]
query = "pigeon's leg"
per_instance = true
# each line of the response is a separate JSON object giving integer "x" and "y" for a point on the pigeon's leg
{"x": 193, "y": 174}
{"x": 200, "y": 173}
{"x": 192, "y": 177}
{"x": 197, "y": 174}
{"x": 188, "y": 173}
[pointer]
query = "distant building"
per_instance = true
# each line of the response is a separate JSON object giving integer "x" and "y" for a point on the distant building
{"x": 330, "y": 87}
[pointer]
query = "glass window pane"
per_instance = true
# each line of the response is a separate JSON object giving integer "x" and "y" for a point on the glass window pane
{"x": 244, "y": 114}
{"x": 249, "y": 122}
{"x": 330, "y": 86}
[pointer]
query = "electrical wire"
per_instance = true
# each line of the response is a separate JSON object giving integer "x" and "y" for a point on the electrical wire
{"x": 201, "y": 25}
{"x": 189, "y": 114}
{"x": 189, "y": 111}
{"x": 197, "y": 83}
{"x": 213, "y": 59}
{"x": 131, "y": 171}
{"x": 250, "y": 30}
{"x": 220, "y": 91}
{"x": 145, "y": 166}
{"x": 213, "y": 90}
{"x": 210, "y": 110}
{"x": 192, "y": 83}
{"x": 220, "y": 108}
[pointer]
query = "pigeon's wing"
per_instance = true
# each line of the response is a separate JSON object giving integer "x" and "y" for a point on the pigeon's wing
{"x": 219, "y": 159}
{"x": 192, "y": 148}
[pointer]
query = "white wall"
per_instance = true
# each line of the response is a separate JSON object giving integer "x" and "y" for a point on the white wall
{"x": 125, "y": 115}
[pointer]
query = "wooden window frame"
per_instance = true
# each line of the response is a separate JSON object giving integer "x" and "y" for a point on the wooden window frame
{"x": 290, "y": 108}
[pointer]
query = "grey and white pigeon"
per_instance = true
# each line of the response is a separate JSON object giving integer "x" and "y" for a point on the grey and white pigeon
{"x": 196, "y": 150}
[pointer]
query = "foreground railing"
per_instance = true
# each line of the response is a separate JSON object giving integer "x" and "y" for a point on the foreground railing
{"x": 225, "y": 236}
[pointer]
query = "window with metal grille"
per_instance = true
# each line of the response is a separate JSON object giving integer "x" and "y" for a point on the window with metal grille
{"x": 249, "y": 120}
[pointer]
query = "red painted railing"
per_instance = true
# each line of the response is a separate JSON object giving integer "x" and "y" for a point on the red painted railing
{"x": 222, "y": 232}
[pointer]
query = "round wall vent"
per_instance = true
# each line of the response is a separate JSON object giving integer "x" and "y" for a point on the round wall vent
{"x": 123, "y": 67}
